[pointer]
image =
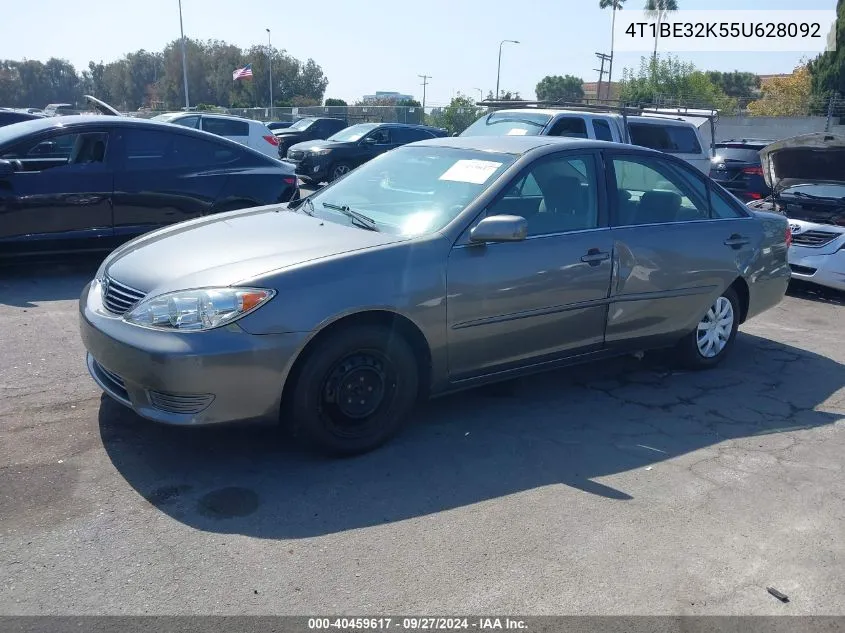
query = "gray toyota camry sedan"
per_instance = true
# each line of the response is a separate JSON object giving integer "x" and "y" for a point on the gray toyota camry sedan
{"x": 437, "y": 266}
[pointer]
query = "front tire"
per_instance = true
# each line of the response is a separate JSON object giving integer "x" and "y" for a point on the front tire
{"x": 713, "y": 338}
{"x": 355, "y": 390}
{"x": 339, "y": 170}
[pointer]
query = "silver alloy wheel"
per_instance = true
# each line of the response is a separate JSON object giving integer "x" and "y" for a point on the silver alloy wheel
{"x": 715, "y": 328}
{"x": 340, "y": 170}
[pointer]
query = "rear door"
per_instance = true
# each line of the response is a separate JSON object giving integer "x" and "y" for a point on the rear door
{"x": 676, "y": 246}
{"x": 229, "y": 128}
{"x": 62, "y": 199}
{"x": 166, "y": 176}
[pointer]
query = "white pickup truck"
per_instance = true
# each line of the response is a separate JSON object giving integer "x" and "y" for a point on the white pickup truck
{"x": 668, "y": 130}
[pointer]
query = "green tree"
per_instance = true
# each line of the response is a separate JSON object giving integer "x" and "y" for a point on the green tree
{"x": 827, "y": 71}
{"x": 657, "y": 10}
{"x": 669, "y": 81}
{"x": 457, "y": 116}
{"x": 560, "y": 88}
{"x": 335, "y": 102}
{"x": 741, "y": 85}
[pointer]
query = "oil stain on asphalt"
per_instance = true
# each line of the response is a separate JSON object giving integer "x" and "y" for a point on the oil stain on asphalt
{"x": 228, "y": 503}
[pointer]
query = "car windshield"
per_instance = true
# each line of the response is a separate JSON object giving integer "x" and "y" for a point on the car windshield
{"x": 731, "y": 153}
{"x": 508, "y": 124}
{"x": 167, "y": 117}
{"x": 413, "y": 190}
{"x": 353, "y": 133}
{"x": 17, "y": 131}
{"x": 820, "y": 190}
{"x": 302, "y": 124}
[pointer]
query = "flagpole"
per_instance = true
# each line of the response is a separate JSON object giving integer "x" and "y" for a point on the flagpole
{"x": 184, "y": 57}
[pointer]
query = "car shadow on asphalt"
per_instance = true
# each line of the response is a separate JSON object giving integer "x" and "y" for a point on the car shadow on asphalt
{"x": 567, "y": 427}
{"x": 26, "y": 283}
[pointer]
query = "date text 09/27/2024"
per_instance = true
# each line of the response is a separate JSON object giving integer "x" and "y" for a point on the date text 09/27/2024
{"x": 416, "y": 624}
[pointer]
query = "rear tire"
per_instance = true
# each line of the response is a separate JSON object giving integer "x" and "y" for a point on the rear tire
{"x": 713, "y": 338}
{"x": 354, "y": 390}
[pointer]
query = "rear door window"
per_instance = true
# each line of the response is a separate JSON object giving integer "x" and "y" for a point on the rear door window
{"x": 153, "y": 149}
{"x": 225, "y": 127}
{"x": 409, "y": 135}
{"x": 672, "y": 139}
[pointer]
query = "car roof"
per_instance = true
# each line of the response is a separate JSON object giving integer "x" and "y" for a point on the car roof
{"x": 92, "y": 120}
{"x": 523, "y": 144}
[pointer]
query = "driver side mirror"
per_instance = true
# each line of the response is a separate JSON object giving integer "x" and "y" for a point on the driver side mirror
{"x": 500, "y": 228}
{"x": 7, "y": 168}
{"x": 370, "y": 140}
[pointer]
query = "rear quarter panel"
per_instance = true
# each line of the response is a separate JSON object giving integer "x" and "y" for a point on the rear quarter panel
{"x": 768, "y": 274}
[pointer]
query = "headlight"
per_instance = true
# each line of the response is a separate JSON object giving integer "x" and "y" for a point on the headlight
{"x": 321, "y": 151}
{"x": 197, "y": 310}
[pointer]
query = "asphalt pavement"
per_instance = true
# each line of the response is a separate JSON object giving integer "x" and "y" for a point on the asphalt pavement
{"x": 623, "y": 487}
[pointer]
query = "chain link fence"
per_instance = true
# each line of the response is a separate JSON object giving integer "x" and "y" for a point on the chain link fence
{"x": 350, "y": 114}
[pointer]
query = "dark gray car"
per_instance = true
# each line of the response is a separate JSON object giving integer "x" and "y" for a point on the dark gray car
{"x": 438, "y": 266}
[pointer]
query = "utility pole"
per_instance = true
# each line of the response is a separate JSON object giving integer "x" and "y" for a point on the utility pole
{"x": 603, "y": 57}
{"x": 184, "y": 59}
{"x": 270, "y": 66}
{"x": 425, "y": 79}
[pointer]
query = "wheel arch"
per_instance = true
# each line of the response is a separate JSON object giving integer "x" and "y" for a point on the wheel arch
{"x": 379, "y": 317}
{"x": 743, "y": 293}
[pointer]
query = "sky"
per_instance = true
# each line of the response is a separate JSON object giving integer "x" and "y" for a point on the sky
{"x": 373, "y": 45}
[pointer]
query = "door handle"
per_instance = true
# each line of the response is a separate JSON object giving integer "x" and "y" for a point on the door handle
{"x": 594, "y": 257}
{"x": 737, "y": 241}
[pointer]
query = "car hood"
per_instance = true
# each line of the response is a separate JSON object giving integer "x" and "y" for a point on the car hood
{"x": 101, "y": 106}
{"x": 318, "y": 144}
{"x": 804, "y": 159}
{"x": 233, "y": 247}
{"x": 286, "y": 133}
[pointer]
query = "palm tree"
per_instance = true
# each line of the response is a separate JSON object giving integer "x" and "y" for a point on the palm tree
{"x": 657, "y": 10}
{"x": 616, "y": 5}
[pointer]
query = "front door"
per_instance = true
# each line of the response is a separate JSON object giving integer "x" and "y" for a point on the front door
{"x": 518, "y": 303}
{"x": 60, "y": 200}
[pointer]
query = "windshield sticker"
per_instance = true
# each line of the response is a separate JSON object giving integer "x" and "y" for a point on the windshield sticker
{"x": 517, "y": 132}
{"x": 473, "y": 171}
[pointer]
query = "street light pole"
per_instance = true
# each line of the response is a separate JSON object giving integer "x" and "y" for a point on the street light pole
{"x": 480, "y": 94}
{"x": 270, "y": 65}
{"x": 184, "y": 59}
{"x": 499, "y": 71}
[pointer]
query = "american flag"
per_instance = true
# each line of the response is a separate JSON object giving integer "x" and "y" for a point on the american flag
{"x": 242, "y": 73}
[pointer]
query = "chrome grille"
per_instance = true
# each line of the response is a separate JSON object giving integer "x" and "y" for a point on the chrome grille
{"x": 119, "y": 298}
{"x": 814, "y": 238}
{"x": 180, "y": 403}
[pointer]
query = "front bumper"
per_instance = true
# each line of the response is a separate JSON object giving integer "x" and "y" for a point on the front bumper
{"x": 222, "y": 375}
{"x": 313, "y": 168}
{"x": 826, "y": 270}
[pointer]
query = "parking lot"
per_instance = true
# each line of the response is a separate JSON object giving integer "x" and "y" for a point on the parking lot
{"x": 623, "y": 487}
